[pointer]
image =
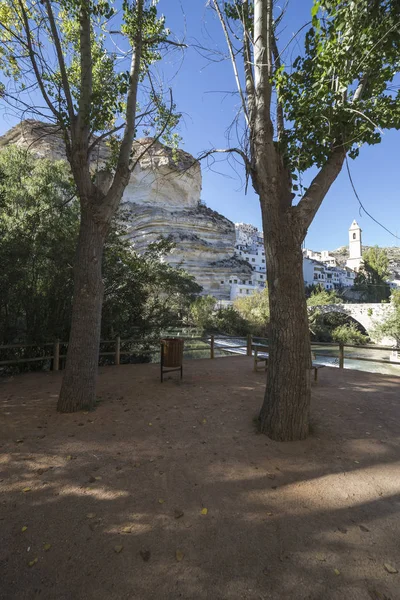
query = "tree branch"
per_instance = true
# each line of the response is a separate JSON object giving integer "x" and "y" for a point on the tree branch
{"x": 263, "y": 60}
{"x": 280, "y": 120}
{"x": 86, "y": 83}
{"x": 60, "y": 58}
{"x": 248, "y": 68}
{"x": 122, "y": 173}
{"x": 242, "y": 154}
{"x": 32, "y": 57}
{"x": 233, "y": 59}
{"x": 312, "y": 199}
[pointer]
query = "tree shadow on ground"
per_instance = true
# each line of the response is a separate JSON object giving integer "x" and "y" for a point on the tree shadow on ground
{"x": 308, "y": 520}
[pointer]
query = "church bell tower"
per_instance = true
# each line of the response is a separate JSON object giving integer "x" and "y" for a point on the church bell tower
{"x": 355, "y": 247}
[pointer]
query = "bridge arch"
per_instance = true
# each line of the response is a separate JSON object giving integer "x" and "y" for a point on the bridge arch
{"x": 367, "y": 315}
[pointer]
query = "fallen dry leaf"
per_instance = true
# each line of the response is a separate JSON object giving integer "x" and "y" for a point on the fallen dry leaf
{"x": 24, "y": 528}
{"x": 118, "y": 549}
{"x": 46, "y": 547}
{"x": 161, "y": 501}
{"x": 336, "y": 571}
{"x": 150, "y": 424}
{"x": 204, "y": 511}
{"x": 204, "y": 421}
{"x": 69, "y": 457}
{"x": 390, "y": 568}
{"x": 98, "y": 478}
{"x": 32, "y": 562}
{"x": 27, "y": 489}
{"x": 145, "y": 554}
{"x": 127, "y": 529}
{"x": 179, "y": 555}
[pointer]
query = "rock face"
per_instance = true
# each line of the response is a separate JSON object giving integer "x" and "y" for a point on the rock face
{"x": 162, "y": 199}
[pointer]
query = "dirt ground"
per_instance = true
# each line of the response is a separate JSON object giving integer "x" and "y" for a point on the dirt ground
{"x": 168, "y": 491}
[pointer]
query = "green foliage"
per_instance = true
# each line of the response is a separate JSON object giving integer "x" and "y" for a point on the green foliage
{"x": 391, "y": 326}
{"x": 372, "y": 277}
{"x": 229, "y": 321}
{"x": 38, "y": 231}
{"x": 39, "y": 223}
{"x": 349, "y": 334}
{"x": 340, "y": 90}
{"x": 202, "y": 311}
{"x": 255, "y": 310}
{"x": 113, "y": 35}
{"x": 320, "y": 297}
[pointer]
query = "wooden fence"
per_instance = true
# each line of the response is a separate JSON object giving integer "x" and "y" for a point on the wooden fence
{"x": 52, "y": 350}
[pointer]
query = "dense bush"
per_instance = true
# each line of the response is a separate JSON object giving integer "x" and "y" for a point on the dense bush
{"x": 349, "y": 334}
{"x": 39, "y": 221}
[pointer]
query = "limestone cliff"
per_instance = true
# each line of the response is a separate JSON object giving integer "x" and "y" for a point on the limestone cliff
{"x": 162, "y": 199}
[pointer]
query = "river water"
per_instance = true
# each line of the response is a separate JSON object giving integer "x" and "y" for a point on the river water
{"x": 329, "y": 356}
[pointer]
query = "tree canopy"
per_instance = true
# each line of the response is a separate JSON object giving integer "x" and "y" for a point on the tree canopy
{"x": 372, "y": 278}
{"x": 39, "y": 223}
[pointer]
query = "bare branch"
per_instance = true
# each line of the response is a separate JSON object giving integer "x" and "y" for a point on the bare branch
{"x": 280, "y": 121}
{"x": 32, "y": 57}
{"x": 312, "y": 199}
{"x": 263, "y": 24}
{"x": 226, "y": 151}
{"x": 233, "y": 59}
{"x": 60, "y": 58}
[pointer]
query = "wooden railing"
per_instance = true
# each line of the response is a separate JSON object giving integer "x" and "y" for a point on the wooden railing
{"x": 208, "y": 343}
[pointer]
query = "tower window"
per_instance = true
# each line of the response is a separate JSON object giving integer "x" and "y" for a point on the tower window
{"x": 354, "y": 236}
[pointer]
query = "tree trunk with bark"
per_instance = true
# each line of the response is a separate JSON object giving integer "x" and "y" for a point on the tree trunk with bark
{"x": 78, "y": 388}
{"x": 284, "y": 415}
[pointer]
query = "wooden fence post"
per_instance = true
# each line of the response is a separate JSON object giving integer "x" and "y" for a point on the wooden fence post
{"x": 249, "y": 344}
{"x": 117, "y": 350}
{"x": 341, "y": 356}
{"x": 212, "y": 347}
{"x": 56, "y": 355}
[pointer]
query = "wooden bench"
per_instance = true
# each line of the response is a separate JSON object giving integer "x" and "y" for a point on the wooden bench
{"x": 264, "y": 359}
{"x": 259, "y": 359}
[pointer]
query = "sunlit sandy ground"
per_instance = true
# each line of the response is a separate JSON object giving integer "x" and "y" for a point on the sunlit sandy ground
{"x": 105, "y": 491}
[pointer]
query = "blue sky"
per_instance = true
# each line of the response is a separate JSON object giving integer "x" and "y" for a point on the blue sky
{"x": 197, "y": 87}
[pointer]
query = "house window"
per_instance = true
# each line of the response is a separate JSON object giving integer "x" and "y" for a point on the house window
{"x": 261, "y": 276}
{"x": 230, "y": 281}
{"x": 263, "y": 260}
{"x": 222, "y": 282}
{"x": 249, "y": 282}
{"x": 253, "y": 260}
{"x": 354, "y": 236}
{"x": 240, "y": 291}
{"x": 247, "y": 291}
{"x": 235, "y": 281}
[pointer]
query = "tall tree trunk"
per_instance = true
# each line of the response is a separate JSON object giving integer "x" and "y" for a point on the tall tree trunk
{"x": 78, "y": 388}
{"x": 285, "y": 412}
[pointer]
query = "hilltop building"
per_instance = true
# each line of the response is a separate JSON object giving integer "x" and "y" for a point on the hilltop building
{"x": 355, "y": 247}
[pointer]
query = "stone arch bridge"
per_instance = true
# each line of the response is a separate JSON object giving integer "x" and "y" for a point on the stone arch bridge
{"x": 368, "y": 315}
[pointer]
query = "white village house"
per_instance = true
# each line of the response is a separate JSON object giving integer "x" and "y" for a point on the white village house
{"x": 318, "y": 267}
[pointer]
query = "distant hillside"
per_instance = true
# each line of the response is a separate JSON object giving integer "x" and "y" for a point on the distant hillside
{"x": 393, "y": 252}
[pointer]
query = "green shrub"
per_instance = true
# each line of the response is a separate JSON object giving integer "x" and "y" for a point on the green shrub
{"x": 349, "y": 334}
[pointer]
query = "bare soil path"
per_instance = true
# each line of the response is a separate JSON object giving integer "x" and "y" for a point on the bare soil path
{"x": 168, "y": 491}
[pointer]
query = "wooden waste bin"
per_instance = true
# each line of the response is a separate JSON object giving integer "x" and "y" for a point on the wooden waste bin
{"x": 171, "y": 356}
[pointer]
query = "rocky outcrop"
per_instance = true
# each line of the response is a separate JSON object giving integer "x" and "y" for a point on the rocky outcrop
{"x": 161, "y": 199}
